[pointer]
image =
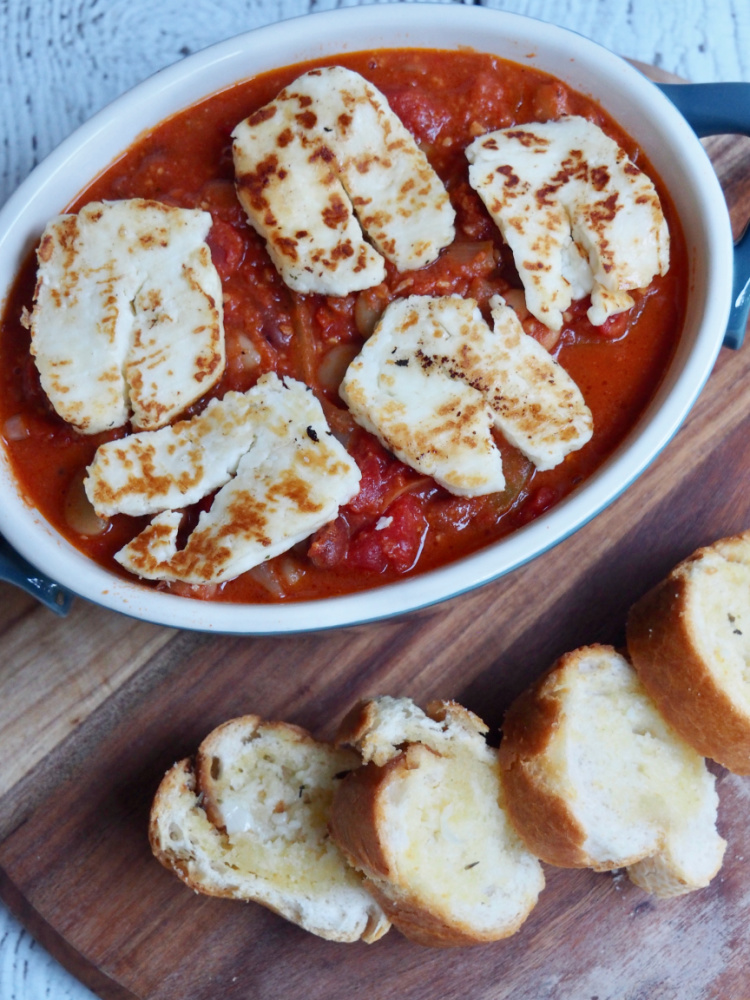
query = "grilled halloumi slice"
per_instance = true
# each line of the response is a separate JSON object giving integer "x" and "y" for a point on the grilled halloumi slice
{"x": 293, "y": 198}
{"x": 536, "y": 405}
{"x": 434, "y": 422}
{"x": 290, "y": 482}
{"x": 178, "y": 465}
{"x": 127, "y": 314}
{"x": 326, "y": 152}
{"x": 578, "y": 215}
{"x": 434, "y": 378}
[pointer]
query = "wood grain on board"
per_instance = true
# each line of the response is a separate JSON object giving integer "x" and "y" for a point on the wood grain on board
{"x": 94, "y": 708}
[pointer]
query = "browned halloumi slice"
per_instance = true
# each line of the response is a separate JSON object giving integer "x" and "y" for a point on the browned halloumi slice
{"x": 328, "y": 151}
{"x": 290, "y": 482}
{"x": 127, "y": 314}
{"x": 178, "y": 465}
{"x": 434, "y": 422}
{"x": 578, "y": 215}
{"x": 536, "y": 405}
{"x": 434, "y": 378}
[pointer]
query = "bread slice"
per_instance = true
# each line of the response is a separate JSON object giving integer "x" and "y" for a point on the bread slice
{"x": 424, "y": 820}
{"x": 249, "y": 822}
{"x": 689, "y": 640}
{"x": 594, "y": 777}
{"x": 378, "y": 727}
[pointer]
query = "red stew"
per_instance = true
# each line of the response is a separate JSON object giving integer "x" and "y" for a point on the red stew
{"x": 400, "y": 522}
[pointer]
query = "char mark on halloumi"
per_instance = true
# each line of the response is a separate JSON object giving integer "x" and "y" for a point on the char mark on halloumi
{"x": 290, "y": 482}
{"x": 437, "y": 424}
{"x": 434, "y": 378}
{"x": 535, "y": 404}
{"x": 127, "y": 320}
{"x": 322, "y": 162}
{"x": 178, "y": 465}
{"x": 578, "y": 215}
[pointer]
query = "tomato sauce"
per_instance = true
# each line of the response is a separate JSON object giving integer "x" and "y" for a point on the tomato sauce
{"x": 400, "y": 522}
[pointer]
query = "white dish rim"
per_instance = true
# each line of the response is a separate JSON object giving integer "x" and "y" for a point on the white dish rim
{"x": 313, "y": 36}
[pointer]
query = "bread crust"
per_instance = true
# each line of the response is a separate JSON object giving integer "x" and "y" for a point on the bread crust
{"x": 540, "y": 816}
{"x": 360, "y": 719}
{"x": 180, "y": 801}
{"x": 178, "y": 780}
{"x": 180, "y": 775}
{"x": 359, "y": 828}
{"x": 452, "y": 713}
{"x": 544, "y": 799}
{"x": 379, "y": 728}
{"x": 356, "y": 821}
{"x": 662, "y": 647}
{"x": 422, "y": 926}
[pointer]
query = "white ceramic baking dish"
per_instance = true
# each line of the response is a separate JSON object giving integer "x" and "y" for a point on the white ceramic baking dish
{"x": 36, "y": 554}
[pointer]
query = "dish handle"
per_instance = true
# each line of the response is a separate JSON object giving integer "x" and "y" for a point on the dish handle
{"x": 16, "y": 570}
{"x": 721, "y": 109}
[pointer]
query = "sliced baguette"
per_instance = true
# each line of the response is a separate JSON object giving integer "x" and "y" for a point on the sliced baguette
{"x": 250, "y": 822}
{"x": 424, "y": 821}
{"x": 689, "y": 640}
{"x": 595, "y": 778}
{"x": 378, "y": 728}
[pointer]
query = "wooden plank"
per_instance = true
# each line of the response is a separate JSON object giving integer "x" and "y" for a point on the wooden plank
{"x": 94, "y": 710}
{"x": 48, "y": 685}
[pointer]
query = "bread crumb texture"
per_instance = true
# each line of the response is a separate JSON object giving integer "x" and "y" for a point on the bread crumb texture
{"x": 413, "y": 819}
{"x": 378, "y": 728}
{"x": 428, "y": 826}
{"x": 689, "y": 640}
{"x": 595, "y": 777}
{"x": 250, "y": 822}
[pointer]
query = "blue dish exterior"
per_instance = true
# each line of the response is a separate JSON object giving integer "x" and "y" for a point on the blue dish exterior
{"x": 721, "y": 109}
{"x": 16, "y": 570}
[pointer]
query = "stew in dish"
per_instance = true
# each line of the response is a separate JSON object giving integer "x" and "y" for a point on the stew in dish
{"x": 400, "y": 521}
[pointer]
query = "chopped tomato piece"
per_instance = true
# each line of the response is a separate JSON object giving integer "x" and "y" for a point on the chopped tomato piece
{"x": 329, "y": 545}
{"x": 402, "y": 538}
{"x": 551, "y": 100}
{"x": 227, "y": 248}
{"x": 539, "y": 501}
{"x": 379, "y": 470}
{"x": 394, "y": 541}
{"x": 454, "y": 271}
{"x": 423, "y": 117}
{"x": 365, "y": 552}
{"x": 614, "y": 327}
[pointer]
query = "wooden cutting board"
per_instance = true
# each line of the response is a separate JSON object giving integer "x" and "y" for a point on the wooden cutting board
{"x": 95, "y": 707}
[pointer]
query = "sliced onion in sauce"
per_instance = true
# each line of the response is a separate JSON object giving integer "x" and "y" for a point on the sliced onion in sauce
{"x": 79, "y": 513}
{"x": 264, "y": 575}
{"x": 466, "y": 251}
{"x": 368, "y": 309}
{"x": 290, "y": 570}
{"x": 341, "y": 422}
{"x": 519, "y": 472}
{"x": 517, "y": 302}
{"x": 279, "y": 575}
{"x": 249, "y": 357}
{"x": 334, "y": 364}
{"x": 532, "y": 326}
{"x": 198, "y": 591}
{"x": 16, "y": 428}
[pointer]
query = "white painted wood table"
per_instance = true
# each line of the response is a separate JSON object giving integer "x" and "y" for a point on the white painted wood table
{"x": 63, "y": 60}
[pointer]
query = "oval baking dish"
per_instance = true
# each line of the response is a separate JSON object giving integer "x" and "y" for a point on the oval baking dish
{"x": 717, "y": 305}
